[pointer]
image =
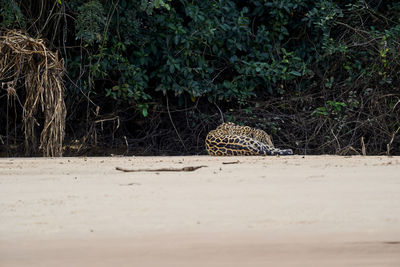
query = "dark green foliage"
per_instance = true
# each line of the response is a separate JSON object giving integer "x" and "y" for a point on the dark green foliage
{"x": 90, "y": 22}
{"x": 222, "y": 50}
{"x": 11, "y": 15}
{"x": 334, "y": 62}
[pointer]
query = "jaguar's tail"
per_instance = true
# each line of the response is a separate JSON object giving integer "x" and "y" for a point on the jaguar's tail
{"x": 281, "y": 152}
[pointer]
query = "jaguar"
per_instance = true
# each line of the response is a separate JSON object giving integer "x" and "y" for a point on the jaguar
{"x": 229, "y": 139}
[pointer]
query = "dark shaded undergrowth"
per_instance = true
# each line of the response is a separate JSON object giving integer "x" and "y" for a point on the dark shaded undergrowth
{"x": 153, "y": 77}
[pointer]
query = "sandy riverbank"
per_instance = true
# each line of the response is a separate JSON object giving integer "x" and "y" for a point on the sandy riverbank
{"x": 261, "y": 211}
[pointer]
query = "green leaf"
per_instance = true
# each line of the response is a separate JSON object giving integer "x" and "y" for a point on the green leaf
{"x": 144, "y": 112}
{"x": 295, "y": 73}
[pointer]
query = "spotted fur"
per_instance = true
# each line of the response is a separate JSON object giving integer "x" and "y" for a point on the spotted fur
{"x": 235, "y": 140}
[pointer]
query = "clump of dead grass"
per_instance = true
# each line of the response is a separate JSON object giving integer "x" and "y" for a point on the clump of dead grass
{"x": 25, "y": 60}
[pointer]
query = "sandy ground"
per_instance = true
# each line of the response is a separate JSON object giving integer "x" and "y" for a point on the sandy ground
{"x": 261, "y": 211}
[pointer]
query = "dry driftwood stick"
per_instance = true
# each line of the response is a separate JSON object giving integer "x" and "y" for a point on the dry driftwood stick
{"x": 184, "y": 169}
{"x": 231, "y": 162}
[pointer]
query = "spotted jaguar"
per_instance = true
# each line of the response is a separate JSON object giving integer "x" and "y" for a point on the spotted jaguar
{"x": 230, "y": 139}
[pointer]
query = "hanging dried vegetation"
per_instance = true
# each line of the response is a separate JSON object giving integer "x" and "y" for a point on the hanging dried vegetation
{"x": 27, "y": 61}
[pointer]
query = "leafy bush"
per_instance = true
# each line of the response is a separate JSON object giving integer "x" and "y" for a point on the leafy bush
{"x": 331, "y": 64}
{"x": 221, "y": 50}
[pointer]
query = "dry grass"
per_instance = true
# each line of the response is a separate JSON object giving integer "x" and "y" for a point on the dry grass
{"x": 27, "y": 61}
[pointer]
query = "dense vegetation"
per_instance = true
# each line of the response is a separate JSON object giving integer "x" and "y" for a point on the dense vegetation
{"x": 154, "y": 76}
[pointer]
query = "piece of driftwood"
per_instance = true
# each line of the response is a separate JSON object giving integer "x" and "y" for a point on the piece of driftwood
{"x": 184, "y": 169}
{"x": 231, "y": 162}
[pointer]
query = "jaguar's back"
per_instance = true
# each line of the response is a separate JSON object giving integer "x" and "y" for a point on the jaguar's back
{"x": 230, "y": 139}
